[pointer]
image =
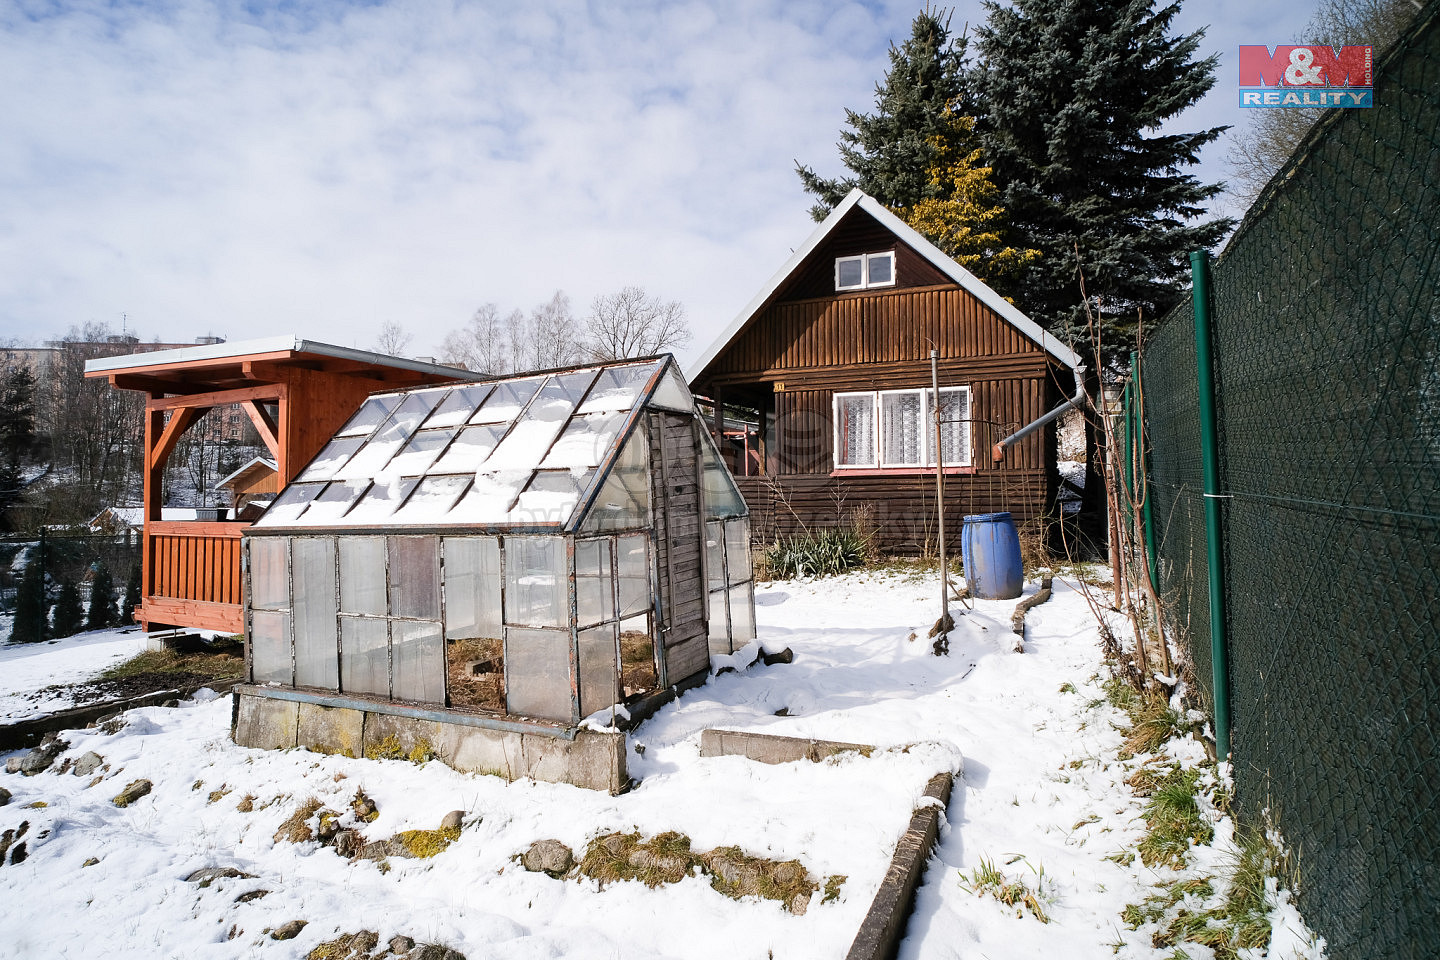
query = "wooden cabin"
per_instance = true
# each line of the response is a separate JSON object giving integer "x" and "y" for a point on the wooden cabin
{"x": 480, "y": 564}
{"x": 296, "y": 392}
{"x": 831, "y": 361}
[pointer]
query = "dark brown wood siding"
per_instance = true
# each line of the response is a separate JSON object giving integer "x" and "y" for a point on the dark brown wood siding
{"x": 675, "y": 480}
{"x": 893, "y": 327}
{"x": 902, "y": 508}
{"x": 858, "y": 233}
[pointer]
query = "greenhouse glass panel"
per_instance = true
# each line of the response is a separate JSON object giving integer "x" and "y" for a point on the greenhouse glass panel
{"x": 431, "y": 501}
{"x": 719, "y": 624}
{"x": 373, "y": 457}
{"x": 457, "y": 406}
{"x": 472, "y": 587}
{"x": 291, "y": 503}
{"x": 270, "y": 648}
{"x": 380, "y": 501}
{"x": 335, "y": 454}
{"x": 418, "y": 659}
{"x": 714, "y": 554}
{"x": 537, "y": 672}
{"x": 567, "y": 387}
{"x": 364, "y": 656}
{"x": 623, "y": 502}
{"x": 420, "y": 452}
{"x": 722, "y": 497}
{"x": 599, "y": 673}
{"x": 362, "y": 575}
{"x": 336, "y": 499}
{"x": 507, "y": 400}
{"x": 586, "y": 441}
{"x": 594, "y": 584}
{"x": 742, "y": 615}
{"x": 370, "y": 416}
{"x": 316, "y": 663}
{"x": 489, "y": 498}
{"x": 550, "y": 497}
{"x": 471, "y": 448}
{"x": 737, "y": 550}
{"x": 618, "y": 387}
{"x": 415, "y": 577}
{"x": 672, "y": 394}
{"x": 269, "y": 573}
{"x": 536, "y": 593}
{"x": 633, "y": 566}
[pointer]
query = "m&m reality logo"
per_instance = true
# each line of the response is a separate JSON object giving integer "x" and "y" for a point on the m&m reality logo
{"x": 1311, "y": 75}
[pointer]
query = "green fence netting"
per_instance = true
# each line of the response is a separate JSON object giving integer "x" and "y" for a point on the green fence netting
{"x": 1327, "y": 350}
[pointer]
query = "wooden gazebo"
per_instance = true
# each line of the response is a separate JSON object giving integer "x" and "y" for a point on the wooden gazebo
{"x": 296, "y": 392}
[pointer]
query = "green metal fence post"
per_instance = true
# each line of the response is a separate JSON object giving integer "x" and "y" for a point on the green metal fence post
{"x": 1210, "y": 459}
{"x": 1142, "y": 457}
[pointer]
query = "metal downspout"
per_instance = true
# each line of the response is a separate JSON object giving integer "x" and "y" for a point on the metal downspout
{"x": 1210, "y": 458}
{"x": 997, "y": 452}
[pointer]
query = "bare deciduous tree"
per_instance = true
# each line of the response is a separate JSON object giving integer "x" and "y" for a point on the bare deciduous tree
{"x": 393, "y": 338}
{"x": 632, "y": 323}
{"x": 489, "y": 343}
{"x": 555, "y": 338}
{"x": 1272, "y": 135}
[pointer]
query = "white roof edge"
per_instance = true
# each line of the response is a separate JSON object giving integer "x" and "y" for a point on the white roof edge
{"x": 266, "y": 461}
{"x": 237, "y": 348}
{"x": 967, "y": 280}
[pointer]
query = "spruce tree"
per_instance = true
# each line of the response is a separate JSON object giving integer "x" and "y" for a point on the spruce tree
{"x": 29, "y": 625}
{"x": 67, "y": 617}
{"x": 1071, "y": 98}
{"x": 102, "y": 600}
{"x": 892, "y": 152}
{"x": 132, "y": 596}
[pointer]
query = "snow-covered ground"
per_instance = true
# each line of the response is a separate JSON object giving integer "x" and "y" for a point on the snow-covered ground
{"x": 1041, "y": 792}
{"x": 26, "y": 668}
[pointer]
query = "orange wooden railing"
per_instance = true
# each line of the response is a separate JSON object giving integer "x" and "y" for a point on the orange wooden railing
{"x": 194, "y": 574}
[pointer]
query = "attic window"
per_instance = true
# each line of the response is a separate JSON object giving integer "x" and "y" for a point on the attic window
{"x": 864, "y": 271}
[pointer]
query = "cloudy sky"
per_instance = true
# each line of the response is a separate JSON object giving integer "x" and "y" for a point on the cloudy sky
{"x": 250, "y": 169}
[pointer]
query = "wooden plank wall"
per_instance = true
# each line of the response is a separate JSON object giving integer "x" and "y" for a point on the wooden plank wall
{"x": 870, "y": 327}
{"x": 200, "y": 566}
{"x": 902, "y": 508}
{"x": 675, "y": 479}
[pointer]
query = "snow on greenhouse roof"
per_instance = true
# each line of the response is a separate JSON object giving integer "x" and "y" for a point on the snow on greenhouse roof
{"x": 527, "y": 452}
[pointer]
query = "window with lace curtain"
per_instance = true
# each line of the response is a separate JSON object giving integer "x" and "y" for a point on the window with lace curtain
{"x": 895, "y": 429}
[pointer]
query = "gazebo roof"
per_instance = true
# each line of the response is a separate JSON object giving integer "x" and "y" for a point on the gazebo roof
{"x": 543, "y": 452}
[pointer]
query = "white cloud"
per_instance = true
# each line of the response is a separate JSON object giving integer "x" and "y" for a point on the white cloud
{"x": 322, "y": 169}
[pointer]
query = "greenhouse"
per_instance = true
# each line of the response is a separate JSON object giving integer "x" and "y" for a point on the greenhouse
{"x": 517, "y": 554}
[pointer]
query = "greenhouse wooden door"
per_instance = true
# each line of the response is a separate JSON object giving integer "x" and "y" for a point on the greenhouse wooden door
{"x": 675, "y": 476}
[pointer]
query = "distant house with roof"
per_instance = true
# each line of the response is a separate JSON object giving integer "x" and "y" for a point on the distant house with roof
{"x": 830, "y": 361}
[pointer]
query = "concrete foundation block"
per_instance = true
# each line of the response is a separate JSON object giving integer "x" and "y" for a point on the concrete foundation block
{"x": 593, "y": 760}
{"x": 330, "y": 729}
{"x": 769, "y": 748}
{"x": 266, "y": 724}
{"x": 410, "y": 733}
{"x": 478, "y": 750}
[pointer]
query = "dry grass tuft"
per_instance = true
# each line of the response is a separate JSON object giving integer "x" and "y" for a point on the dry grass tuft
{"x": 988, "y": 879}
{"x": 297, "y": 828}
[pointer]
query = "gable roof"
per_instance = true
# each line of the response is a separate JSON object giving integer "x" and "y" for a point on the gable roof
{"x": 255, "y": 463}
{"x": 528, "y": 453}
{"x": 964, "y": 278}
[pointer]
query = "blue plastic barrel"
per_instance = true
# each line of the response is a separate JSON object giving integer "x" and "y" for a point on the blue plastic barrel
{"x": 991, "y": 549}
